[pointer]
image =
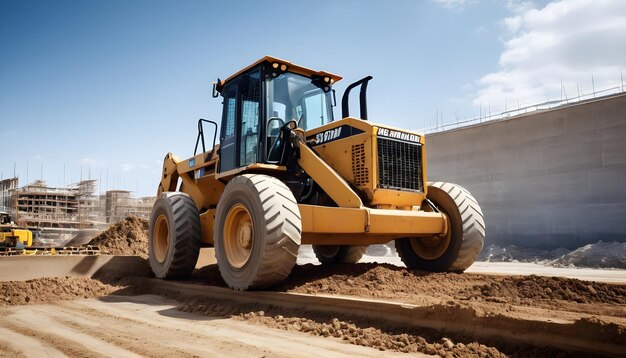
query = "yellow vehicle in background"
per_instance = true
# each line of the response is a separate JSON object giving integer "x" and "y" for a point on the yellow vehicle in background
{"x": 13, "y": 236}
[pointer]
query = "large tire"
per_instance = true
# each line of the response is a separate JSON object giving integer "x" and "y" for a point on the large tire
{"x": 257, "y": 232}
{"x": 339, "y": 254}
{"x": 466, "y": 233}
{"x": 174, "y": 236}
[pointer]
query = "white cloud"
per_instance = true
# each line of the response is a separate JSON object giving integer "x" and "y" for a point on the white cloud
{"x": 126, "y": 167}
{"x": 519, "y": 6}
{"x": 451, "y": 3}
{"x": 565, "y": 42}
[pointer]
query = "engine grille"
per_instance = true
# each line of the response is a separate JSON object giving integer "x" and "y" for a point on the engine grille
{"x": 399, "y": 165}
{"x": 359, "y": 166}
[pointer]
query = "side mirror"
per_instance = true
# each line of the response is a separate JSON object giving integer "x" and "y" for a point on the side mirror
{"x": 217, "y": 86}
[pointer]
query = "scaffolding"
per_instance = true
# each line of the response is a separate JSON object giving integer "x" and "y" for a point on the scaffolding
{"x": 7, "y": 187}
{"x": 74, "y": 207}
{"x": 36, "y": 204}
{"x": 120, "y": 204}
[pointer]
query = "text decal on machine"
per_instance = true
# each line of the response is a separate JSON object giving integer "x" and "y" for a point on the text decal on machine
{"x": 394, "y": 134}
{"x": 328, "y": 135}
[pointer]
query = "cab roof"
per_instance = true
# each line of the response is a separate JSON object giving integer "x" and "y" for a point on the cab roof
{"x": 291, "y": 67}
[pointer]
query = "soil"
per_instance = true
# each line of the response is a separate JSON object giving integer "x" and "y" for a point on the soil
{"x": 127, "y": 237}
{"x": 594, "y": 307}
{"x": 150, "y": 326}
{"x": 52, "y": 289}
{"x": 351, "y": 331}
{"x": 411, "y": 286}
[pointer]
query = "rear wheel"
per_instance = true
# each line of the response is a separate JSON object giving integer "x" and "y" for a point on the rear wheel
{"x": 459, "y": 248}
{"x": 257, "y": 232}
{"x": 174, "y": 235}
{"x": 338, "y": 254}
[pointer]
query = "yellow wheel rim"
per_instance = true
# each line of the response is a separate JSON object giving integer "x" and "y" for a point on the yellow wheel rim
{"x": 433, "y": 247}
{"x": 238, "y": 236}
{"x": 430, "y": 248}
{"x": 160, "y": 238}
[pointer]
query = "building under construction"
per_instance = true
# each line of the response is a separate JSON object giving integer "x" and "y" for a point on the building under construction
{"x": 64, "y": 211}
{"x": 7, "y": 188}
{"x": 119, "y": 204}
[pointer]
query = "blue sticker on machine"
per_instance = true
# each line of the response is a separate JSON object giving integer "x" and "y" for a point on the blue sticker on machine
{"x": 192, "y": 162}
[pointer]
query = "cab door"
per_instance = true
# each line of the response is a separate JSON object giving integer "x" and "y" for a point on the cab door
{"x": 240, "y": 121}
{"x": 228, "y": 138}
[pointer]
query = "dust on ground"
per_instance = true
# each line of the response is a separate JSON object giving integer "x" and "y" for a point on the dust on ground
{"x": 127, "y": 237}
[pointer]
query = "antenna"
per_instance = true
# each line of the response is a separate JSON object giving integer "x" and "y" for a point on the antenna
{"x": 593, "y": 86}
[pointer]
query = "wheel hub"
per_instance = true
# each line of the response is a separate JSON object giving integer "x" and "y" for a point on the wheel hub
{"x": 238, "y": 236}
{"x": 245, "y": 235}
{"x": 160, "y": 238}
{"x": 430, "y": 248}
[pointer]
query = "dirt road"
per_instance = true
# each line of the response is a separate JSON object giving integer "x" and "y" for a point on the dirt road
{"x": 375, "y": 308}
{"x": 149, "y": 325}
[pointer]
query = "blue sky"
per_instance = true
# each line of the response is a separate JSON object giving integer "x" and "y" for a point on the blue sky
{"x": 109, "y": 87}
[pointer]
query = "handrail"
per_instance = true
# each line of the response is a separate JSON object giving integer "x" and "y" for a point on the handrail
{"x": 201, "y": 135}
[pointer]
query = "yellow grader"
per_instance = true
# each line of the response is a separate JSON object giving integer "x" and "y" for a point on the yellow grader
{"x": 13, "y": 236}
{"x": 285, "y": 173}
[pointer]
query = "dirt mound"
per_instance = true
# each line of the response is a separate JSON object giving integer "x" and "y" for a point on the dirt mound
{"x": 52, "y": 289}
{"x": 550, "y": 288}
{"x": 127, "y": 237}
{"x": 412, "y": 286}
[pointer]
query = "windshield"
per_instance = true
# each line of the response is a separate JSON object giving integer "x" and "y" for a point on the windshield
{"x": 294, "y": 97}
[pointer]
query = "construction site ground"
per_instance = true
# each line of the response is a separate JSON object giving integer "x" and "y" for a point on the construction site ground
{"x": 111, "y": 305}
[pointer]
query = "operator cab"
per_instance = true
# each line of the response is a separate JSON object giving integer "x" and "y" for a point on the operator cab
{"x": 262, "y": 98}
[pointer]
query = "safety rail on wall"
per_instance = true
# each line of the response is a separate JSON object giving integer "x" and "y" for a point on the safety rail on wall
{"x": 519, "y": 110}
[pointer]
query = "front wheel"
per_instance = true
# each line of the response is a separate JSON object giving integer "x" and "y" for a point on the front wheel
{"x": 257, "y": 232}
{"x": 174, "y": 236}
{"x": 459, "y": 248}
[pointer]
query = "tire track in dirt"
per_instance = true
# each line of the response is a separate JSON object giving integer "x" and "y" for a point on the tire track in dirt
{"x": 151, "y": 325}
{"x": 120, "y": 326}
{"x": 13, "y": 344}
{"x": 136, "y": 344}
{"x": 68, "y": 347}
{"x": 7, "y": 350}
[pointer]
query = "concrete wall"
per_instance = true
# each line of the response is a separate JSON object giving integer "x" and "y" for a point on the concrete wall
{"x": 549, "y": 179}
